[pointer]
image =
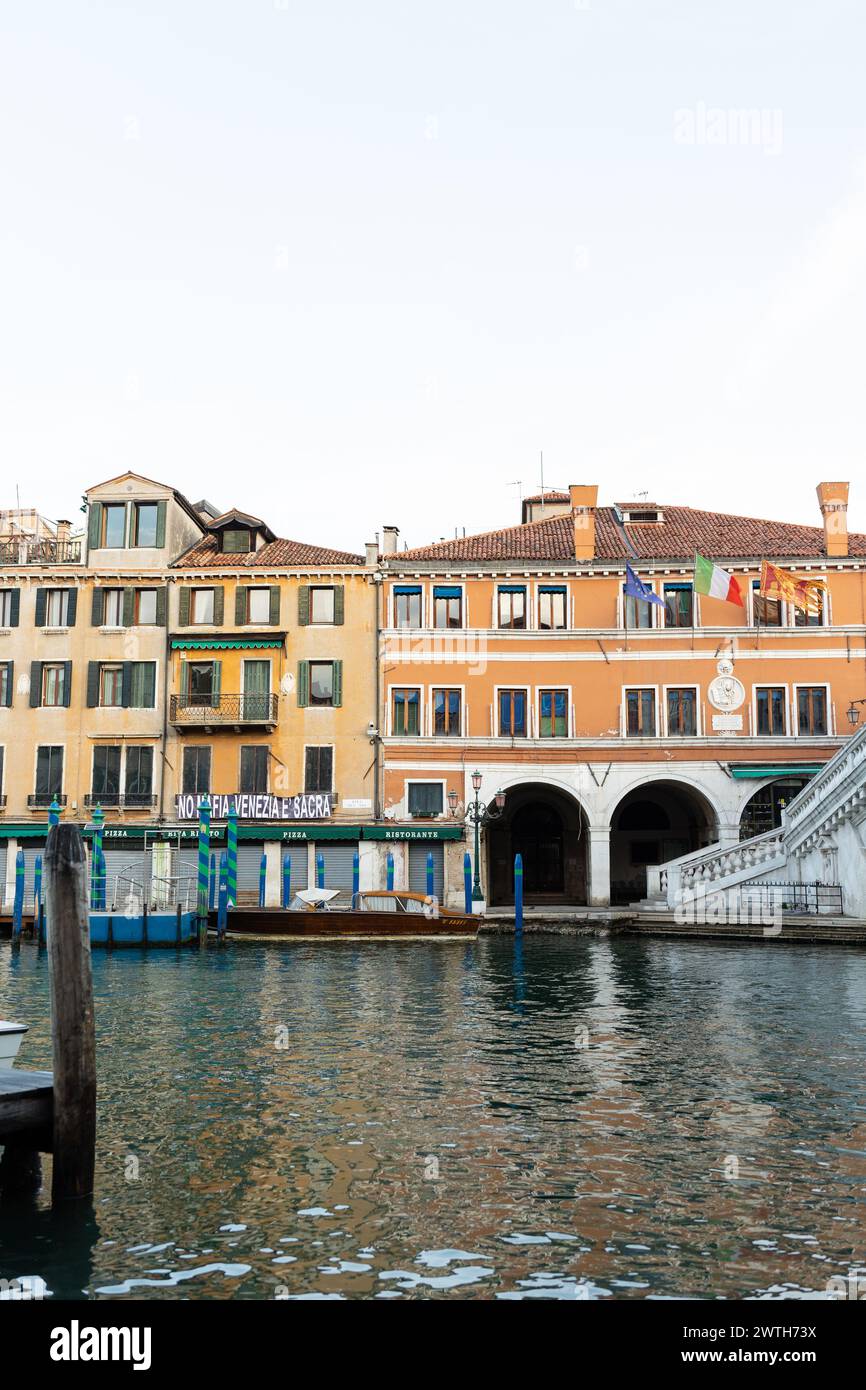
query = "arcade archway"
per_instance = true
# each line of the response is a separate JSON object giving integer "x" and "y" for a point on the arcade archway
{"x": 653, "y": 823}
{"x": 548, "y": 829}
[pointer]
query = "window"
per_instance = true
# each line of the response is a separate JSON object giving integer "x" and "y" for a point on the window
{"x": 322, "y": 607}
{"x": 200, "y": 683}
{"x": 105, "y": 781}
{"x": 196, "y": 770}
{"x": 8, "y": 608}
{"x": 201, "y": 606}
{"x": 406, "y": 712}
{"x": 321, "y": 682}
{"x": 425, "y": 798}
{"x": 637, "y": 611}
{"x": 142, "y": 688}
{"x": 802, "y": 618}
{"x": 407, "y": 606}
{"x": 554, "y": 714}
{"x": 258, "y": 605}
{"x": 145, "y": 523}
{"x": 812, "y": 709}
{"x": 640, "y": 713}
{"x": 770, "y": 707}
{"x": 237, "y": 541}
{"x": 552, "y": 606}
{"x": 446, "y": 713}
{"x": 49, "y": 773}
{"x": 254, "y": 770}
{"x": 145, "y": 606}
{"x": 5, "y": 683}
{"x": 512, "y": 713}
{"x": 447, "y": 606}
{"x": 54, "y": 684}
{"x": 319, "y": 770}
{"x": 112, "y": 608}
{"x": 114, "y": 526}
{"x": 767, "y": 612}
{"x": 511, "y": 599}
{"x": 111, "y": 685}
{"x": 57, "y": 608}
{"x": 683, "y": 711}
{"x": 678, "y": 605}
{"x": 139, "y": 776}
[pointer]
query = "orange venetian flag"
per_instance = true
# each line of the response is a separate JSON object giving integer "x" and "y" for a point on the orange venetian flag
{"x": 777, "y": 583}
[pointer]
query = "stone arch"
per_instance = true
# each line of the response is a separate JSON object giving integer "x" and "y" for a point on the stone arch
{"x": 656, "y": 819}
{"x": 547, "y": 825}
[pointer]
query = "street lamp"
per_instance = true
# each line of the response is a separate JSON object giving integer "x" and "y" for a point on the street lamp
{"x": 452, "y": 800}
{"x": 854, "y": 713}
{"x": 479, "y": 813}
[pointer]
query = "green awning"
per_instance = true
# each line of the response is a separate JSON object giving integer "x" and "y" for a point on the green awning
{"x": 23, "y": 832}
{"x": 224, "y": 644}
{"x": 413, "y": 832}
{"x": 782, "y": 770}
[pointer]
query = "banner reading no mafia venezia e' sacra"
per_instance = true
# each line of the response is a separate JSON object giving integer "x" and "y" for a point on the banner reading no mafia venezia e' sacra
{"x": 304, "y": 806}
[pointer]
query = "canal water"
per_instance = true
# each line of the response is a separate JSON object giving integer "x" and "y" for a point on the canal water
{"x": 579, "y": 1118}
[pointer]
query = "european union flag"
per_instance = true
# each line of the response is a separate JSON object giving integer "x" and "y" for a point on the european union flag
{"x": 637, "y": 589}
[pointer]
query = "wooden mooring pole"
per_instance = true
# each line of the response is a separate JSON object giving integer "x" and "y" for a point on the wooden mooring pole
{"x": 72, "y": 1025}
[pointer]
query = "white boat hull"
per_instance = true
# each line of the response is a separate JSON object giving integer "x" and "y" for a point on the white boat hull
{"x": 10, "y": 1041}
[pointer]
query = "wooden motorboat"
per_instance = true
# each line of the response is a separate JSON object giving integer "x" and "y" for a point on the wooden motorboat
{"x": 378, "y": 912}
{"x": 10, "y": 1041}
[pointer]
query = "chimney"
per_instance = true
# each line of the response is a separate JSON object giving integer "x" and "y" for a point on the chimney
{"x": 372, "y": 554}
{"x": 584, "y": 498}
{"x": 389, "y": 544}
{"x": 64, "y": 530}
{"x": 833, "y": 501}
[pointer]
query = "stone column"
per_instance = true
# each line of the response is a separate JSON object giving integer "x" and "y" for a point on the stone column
{"x": 598, "y": 865}
{"x": 273, "y": 872}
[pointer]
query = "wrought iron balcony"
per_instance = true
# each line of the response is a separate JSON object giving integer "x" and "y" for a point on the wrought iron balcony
{"x": 213, "y": 712}
{"x": 39, "y": 799}
{"x": 41, "y": 552}
{"x": 126, "y": 801}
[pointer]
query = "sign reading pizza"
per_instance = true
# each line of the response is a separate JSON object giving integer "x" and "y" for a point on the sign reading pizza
{"x": 304, "y": 806}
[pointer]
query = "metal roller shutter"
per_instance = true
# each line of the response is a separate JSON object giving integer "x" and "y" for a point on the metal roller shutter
{"x": 31, "y": 850}
{"x": 3, "y": 848}
{"x": 338, "y": 864}
{"x": 125, "y": 870}
{"x": 298, "y": 856}
{"x": 418, "y": 868}
{"x": 249, "y": 860}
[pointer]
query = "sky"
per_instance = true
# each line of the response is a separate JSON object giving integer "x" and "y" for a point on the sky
{"x": 345, "y": 265}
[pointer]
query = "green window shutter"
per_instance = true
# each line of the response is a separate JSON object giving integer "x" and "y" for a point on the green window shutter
{"x": 240, "y": 605}
{"x": 10, "y": 673}
{"x": 219, "y": 599}
{"x": 40, "y": 607}
{"x": 338, "y": 682}
{"x": 92, "y": 684}
{"x": 35, "y": 684}
{"x": 126, "y": 685}
{"x": 72, "y": 608}
{"x": 339, "y": 603}
{"x": 183, "y": 618}
{"x": 303, "y": 683}
{"x": 303, "y": 605}
{"x": 160, "y": 525}
{"x": 161, "y": 606}
{"x": 217, "y": 681}
{"x": 94, "y": 526}
{"x": 67, "y": 683}
{"x": 128, "y": 607}
{"x": 15, "y": 607}
{"x": 97, "y": 608}
{"x": 274, "y": 616}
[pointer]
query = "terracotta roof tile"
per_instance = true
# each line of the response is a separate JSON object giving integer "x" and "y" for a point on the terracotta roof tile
{"x": 718, "y": 535}
{"x": 279, "y": 554}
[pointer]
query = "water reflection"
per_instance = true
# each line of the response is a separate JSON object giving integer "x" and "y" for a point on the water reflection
{"x": 553, "y": 1118}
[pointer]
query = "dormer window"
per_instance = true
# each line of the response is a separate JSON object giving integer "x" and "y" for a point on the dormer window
{"x": 237, "y": 541}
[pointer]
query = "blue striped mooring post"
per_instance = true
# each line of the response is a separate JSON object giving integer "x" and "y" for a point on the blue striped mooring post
{"x": 263, "y": 878}
{"x": 212, "y": 883}
{"x": 287, "y": 879}
{"x": 518, "y": 893}
{"x": 356, "y": 876}
{"x": 203, "y": 866}
{"x": 320, "y": 870}
{"x": 389, "y": 872}
{"x": 223, "y": 898}
{"x": 18, "y": 904}
{"x": 101, "y": 875}
{"x": 467, "y": 883}
{"x": 96, "y": 901}
{"x": 54, "y": 813}
{"x": 431, "y": 878}
{"x": 37, "y": 893}
{"x": 232, "y": 854}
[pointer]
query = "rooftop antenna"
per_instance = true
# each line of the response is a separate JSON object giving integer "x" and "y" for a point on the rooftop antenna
{"x": 519, "y": 485}
{"x": 541, "y": 459}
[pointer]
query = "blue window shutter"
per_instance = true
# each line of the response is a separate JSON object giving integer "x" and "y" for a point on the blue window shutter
{"x": 92, "y": 684}
{"x": 35, "y": 684}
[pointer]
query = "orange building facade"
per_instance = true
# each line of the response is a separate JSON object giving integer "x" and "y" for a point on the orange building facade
{"x": 622, "y": 733}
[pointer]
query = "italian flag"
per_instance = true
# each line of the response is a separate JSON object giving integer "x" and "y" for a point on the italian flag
{"x": 712, "y": 580}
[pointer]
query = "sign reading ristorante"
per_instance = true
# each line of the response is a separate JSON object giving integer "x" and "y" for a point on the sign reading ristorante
{"x": 304, "y": 806}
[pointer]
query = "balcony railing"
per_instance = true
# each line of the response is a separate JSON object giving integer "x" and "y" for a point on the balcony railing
{"x": 43, "y": 552}
{"x": 207, "y": 711}
{"x": 126, "y": 801}
{"x": 37, "y": 799}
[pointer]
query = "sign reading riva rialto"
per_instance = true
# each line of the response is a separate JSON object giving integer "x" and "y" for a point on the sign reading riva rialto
{"x": 304, "y": 806}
